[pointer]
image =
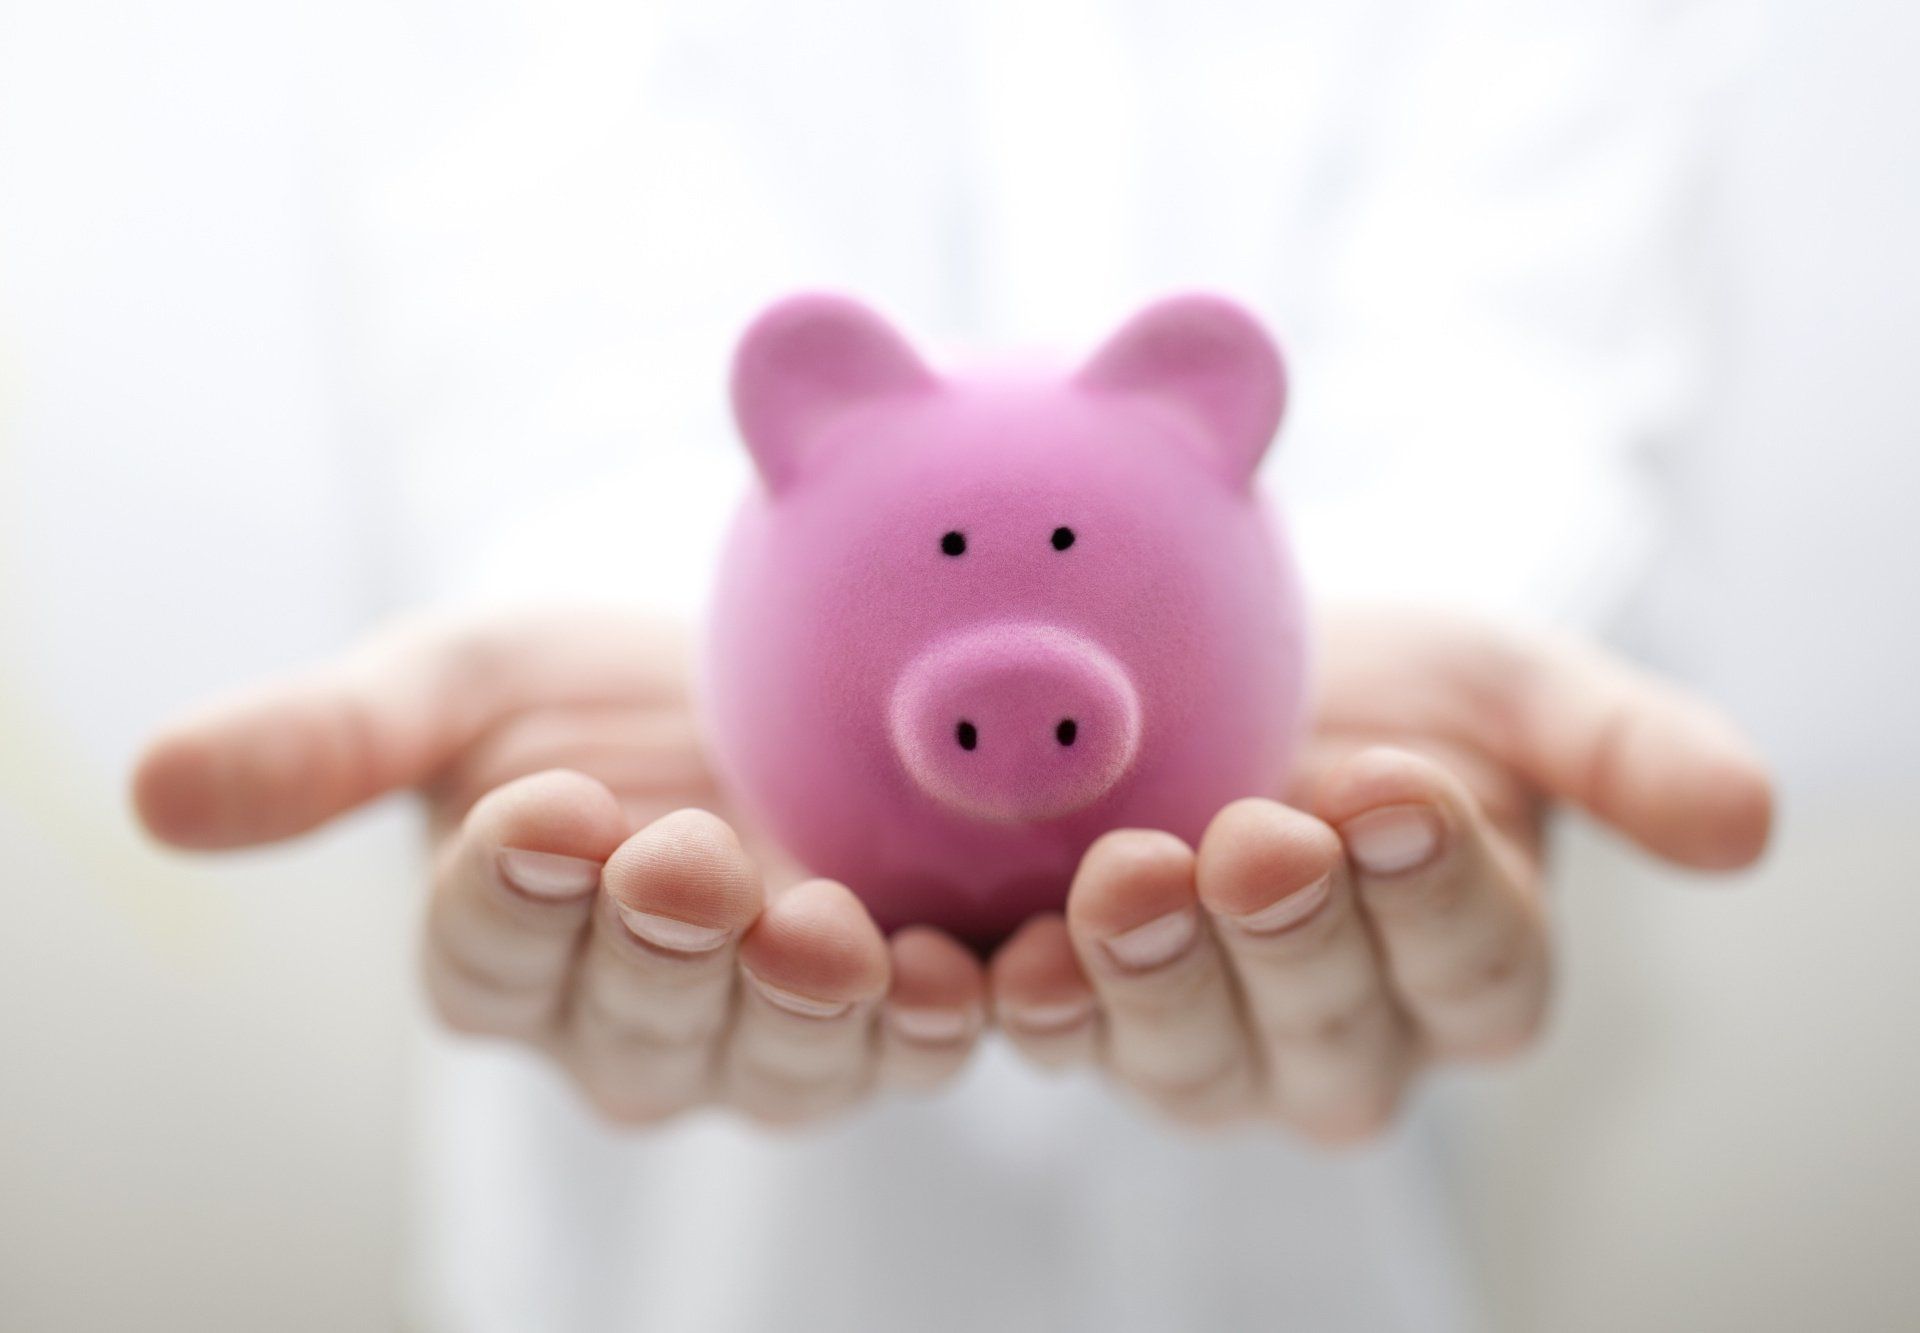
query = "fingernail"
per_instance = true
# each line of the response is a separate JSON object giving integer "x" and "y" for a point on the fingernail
{"x": 1056, "y": 1017}
{"x": 548, "y": 874}
{"x": 1290, "y": 910}
{"x": 1161, "y": 940}
{"x": 672, "y": 934}
{"x": 1394, "y": 840}
{"x": 804, "y": 1005}
{"x": 929, "y": 1024}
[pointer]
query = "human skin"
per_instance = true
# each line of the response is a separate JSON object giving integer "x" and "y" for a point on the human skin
{"x": 592, "y": 897}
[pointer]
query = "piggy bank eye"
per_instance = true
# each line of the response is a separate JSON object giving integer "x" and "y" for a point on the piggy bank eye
{"x": 954, "y": 543}
{"x": 1062, "y": 538}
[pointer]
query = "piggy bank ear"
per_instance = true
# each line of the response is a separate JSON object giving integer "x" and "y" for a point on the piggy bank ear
{"x": 1210, "y": 359}
{"x": 803, "y": 362}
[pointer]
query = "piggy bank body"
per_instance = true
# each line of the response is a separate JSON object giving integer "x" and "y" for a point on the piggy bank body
{"x": 965, "y": 624}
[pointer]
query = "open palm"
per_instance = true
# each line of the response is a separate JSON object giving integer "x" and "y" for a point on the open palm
{"x": 593, "y": 896}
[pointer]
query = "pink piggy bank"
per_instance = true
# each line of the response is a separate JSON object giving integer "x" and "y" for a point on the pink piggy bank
{"x": 965, "y": 624}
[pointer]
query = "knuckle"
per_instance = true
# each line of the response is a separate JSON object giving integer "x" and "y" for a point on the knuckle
{"x": 1150, "y": 997}
{"x": 1607, "y": 771}
{"x": 1336, "y": 1018}
{"x": 616, "y": 1023}
{"x": 1507, "y": 964}
{"x": 461, "y": 966}
{"x": 1420, "y": 897}
{"x": 465, "y": 1019}
{"x": 1331, "y": 1027}
{"x": 625, "y": 1093}
{"x": 473, "y": 1009}
{"x": 1214, "y": 1092}
{"x": 357, "y": 735}
{"x": 1496, "y": 1040}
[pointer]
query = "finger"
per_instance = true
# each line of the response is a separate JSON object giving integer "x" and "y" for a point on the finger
{"x": 1337, "y": 1051}
{"x": 1660, "y": 765}
{"x": 652, "y": 994}
{"x": 513, "y": 890}
{"x": 1459, "y": 920}
{"x": 933, "y": 1012}
{"x": 386, "y": 716}
{"x": 1173, "y": 1029}
{"x": 814, "y": 967}
{"x": 1042, "y": 999}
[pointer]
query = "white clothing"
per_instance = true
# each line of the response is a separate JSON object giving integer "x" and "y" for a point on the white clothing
{"x": 1463, "y": 221}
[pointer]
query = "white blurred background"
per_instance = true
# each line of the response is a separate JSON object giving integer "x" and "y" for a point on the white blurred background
{"x": 204, "y": 1067}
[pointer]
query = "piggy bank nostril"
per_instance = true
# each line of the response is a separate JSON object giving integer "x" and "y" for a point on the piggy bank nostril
{"x": 1014, "y": 722}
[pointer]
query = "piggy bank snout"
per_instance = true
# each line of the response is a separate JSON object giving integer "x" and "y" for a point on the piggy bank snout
{"x": 1016, "y": 722}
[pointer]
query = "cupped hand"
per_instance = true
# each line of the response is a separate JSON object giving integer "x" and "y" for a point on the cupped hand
{"x": 1300, "y": 965}
{"x": 588, "y": 896}
{"x": 1307, "y": 959}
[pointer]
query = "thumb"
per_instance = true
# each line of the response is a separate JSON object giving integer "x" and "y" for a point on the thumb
{"x": 1663, "y": 767}
{"x": 390, "y": 715}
